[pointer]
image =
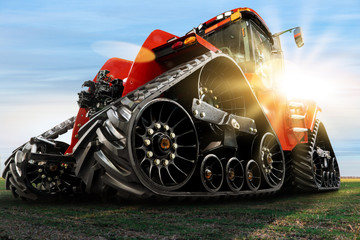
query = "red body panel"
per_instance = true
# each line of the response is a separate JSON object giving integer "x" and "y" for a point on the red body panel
{"x": 145, "y": 68}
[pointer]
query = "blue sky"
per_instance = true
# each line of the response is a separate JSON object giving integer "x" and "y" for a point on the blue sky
{"x": 49, "y": 48}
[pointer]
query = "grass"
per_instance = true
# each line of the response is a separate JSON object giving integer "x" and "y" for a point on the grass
{"x": 332, "y": 215}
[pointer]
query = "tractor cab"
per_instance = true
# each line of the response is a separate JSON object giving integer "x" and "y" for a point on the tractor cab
{"x": 244, "y": 36}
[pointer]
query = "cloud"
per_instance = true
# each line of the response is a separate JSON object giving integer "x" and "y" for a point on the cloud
{"x": 119, "y": 49}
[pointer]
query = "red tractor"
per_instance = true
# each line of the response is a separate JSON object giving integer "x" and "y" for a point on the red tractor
{"x": 193, "y": 116}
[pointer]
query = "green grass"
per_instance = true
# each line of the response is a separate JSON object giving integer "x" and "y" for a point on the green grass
{"x": 316, "y": 216}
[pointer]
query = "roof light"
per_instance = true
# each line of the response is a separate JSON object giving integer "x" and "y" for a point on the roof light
{"x": 219, "y": 17}
{"x": 235, "y": 16}
{"x": 177, "y": 45}
{"x": 227, "y": 14}
{"x": 190, "y": 40}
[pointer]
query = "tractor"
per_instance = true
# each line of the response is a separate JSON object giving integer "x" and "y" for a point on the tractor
{"x": 197, "y": 116}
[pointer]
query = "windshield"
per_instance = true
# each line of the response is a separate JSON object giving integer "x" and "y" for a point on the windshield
{"x": 230, "y": 42}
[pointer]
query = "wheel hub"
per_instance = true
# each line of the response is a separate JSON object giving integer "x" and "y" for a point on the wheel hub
{"x": 250, "y": 175}
{"x": 208, "y": 174}
{"x": 165, "y": 143}
{"x": 231, "y": 174}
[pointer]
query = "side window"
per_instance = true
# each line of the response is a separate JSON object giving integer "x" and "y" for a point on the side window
{"x": 263, "y": 56}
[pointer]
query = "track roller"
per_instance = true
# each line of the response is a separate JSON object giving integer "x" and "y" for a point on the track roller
{"x": 253, "y": 175}
{"x": 211, "y": 172}
{"x": 235, "y": 174}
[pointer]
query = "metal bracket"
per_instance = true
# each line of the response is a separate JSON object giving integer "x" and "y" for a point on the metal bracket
{"x": 208, "y": 113}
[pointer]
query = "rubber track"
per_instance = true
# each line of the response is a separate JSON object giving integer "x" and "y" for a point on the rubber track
{"x": 13, "y": 181}
{"x": 110, "y": 146}
{"x": 302, "y": 164}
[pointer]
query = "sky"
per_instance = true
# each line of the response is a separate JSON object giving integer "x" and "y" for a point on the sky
{"x": 49, "y": 48}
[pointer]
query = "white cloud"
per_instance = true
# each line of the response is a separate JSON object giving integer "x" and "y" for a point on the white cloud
{"x": 119, "y": 49}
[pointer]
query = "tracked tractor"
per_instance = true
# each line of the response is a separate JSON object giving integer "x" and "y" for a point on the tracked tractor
{"x": 198, "y": 116}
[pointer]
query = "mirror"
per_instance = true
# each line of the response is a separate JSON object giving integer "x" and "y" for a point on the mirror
{"x": 298, "y": 37}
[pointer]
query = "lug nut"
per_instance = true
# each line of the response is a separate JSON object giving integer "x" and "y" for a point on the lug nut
{"x": 40, "y": 170}
{"x": 251, "y": 129}
{"x": 172, "y": 135}
{"x": 157, "y": 126}
{"x": 255, "y": 130}
{"x": 149, "y": 154}
{"x": 166, "y": 162}
{"x": 147, "y": 142}
{"x": 43, "y": 176}
{"x": 172, "y": 156}
{"x": 175, "y": 146}
{"x": 202, "y": 114}
{"x": 166, "y": 127}
{"x": 198, "y": 102}
{"x": 150, "y": 131}
{"x": 157, "y": 162}
{"x": 195, "y": 112}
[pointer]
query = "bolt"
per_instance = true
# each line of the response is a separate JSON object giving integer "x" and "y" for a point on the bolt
{"x": 205, "y": 90}
{"x": 202, "y": 114}
{"x": 79, "y": 125}
{"x": 255, "y": 130}
{"x": 149, "y": 154}
{"x": 43, "y": 176}
{"x": 31, "y": 161}
{"x": 264, "y": 166}
{"x": 166, "y": 127}
{"x": 150, "y": 131}
{"x": 172, "y": 156}
{"x": 251, "y": 129}
{"x": 211, "y": 91}
{"x": 40, "y": 170}
{"x": 195, "y": 112}
{"x": 49, "y": 179}
{"x": 216, "y": 105}
{"x": 175, "y": 146}
{"x": 198, "y": 102}
{"x": 215, "y": 98}
{"x": 76, "y": 136}
{"x": 157, "y": 162}
{"x": 166, "y": 162}
{"x": 147, "y": 142}
{"x": 157, "y": 126}
{"x": 201, "y": 92}
{"x": 235, "y": 124}
{"x": 172, "y": 135}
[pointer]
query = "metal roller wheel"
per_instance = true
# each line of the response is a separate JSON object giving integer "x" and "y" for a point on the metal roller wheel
{"x": 33, "y": 179}
{"x": 270, "y": 157}
{"x": 211, "y": 172}
{"x": 235, "y": 174}
{"x": 165, "y": 144}
{"x": 253, "y": 175}
{"x": 216, "y": 88}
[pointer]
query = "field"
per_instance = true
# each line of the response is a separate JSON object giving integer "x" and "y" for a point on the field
{"x": 332, "y": 215}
